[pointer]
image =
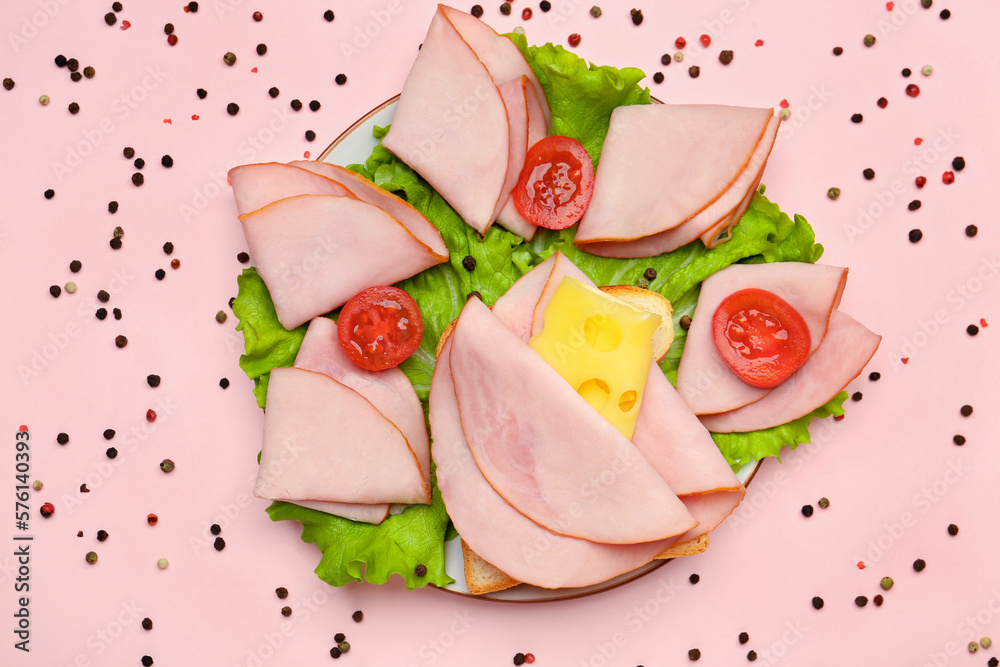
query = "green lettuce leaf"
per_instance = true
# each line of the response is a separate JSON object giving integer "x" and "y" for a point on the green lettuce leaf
{"x": 268, "y": 344}
{"x": 742, "y": 448}
{"x": 354, "y": 551}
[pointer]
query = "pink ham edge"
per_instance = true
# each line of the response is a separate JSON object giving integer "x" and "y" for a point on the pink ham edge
{"x": 312, "y": 425}
{"x": 667, "y": 433}
{"x": 500, "y": 55}
{"x": 374, "y": 514}
{"x": 389, "y": 390}
{"x": 509, "y": 216}
{"x": 705, "y": 382}
{"x": 515, "y": 100}
{"x": 639, "y": 144}
{"x": 498, "y": 532}
{"x": 306, "y": 249}
{"x": 257, "y": 185}
{"x": 846, "y": 349}
{"x": 451, "y": 125}
{"x": 415, "y": 221}
{"x": 553, "y": 484}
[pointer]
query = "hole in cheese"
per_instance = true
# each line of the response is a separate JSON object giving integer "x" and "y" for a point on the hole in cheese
{"x": 602, "y": 332}
{"x": 596, "y": 392}
{"x": 627, "y": 400}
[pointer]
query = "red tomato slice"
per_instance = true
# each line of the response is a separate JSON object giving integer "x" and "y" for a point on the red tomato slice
{"x": 556, "y": 183}
{"x": 380, "y": 327}
{"x": 760, "y": 336}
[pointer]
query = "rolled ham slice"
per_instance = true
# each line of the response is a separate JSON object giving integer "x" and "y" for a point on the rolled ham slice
{"x": 257, "y": 185}
{"x": 557, "y": 460}
{"x": 667, "y": 433}
{"x": 494, "y": 529}
{"x": 324, "y": 441}
{"x": 451, "y": 125}
{"x": 705, "y": 382}
{"x": 500, "y": 56}
{"x": 314, "y": 252}
{"x": 414, "y": 221}
{"x": 704, "y": 159}
{"x": 846, "y": 349}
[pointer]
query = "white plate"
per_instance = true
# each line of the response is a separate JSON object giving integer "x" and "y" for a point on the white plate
{"x": 355, "y": 145}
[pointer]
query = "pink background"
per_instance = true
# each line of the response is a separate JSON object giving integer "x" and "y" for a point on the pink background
{"x": 894, "y": 479}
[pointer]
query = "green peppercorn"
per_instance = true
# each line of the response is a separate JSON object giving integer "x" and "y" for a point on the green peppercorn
{"x": 886, "y": 583}
{"x": 785, "y": 114}
{"x": 166, "y": 465}
{"x": 595, "y": 11}
{"x": 505, "y": 9}
{"x": 833, "y": 193}
{"x": 37, "y": 485}
{"x": 221, "y": 316}
{"x": 927, "y": 70}
{"x": 926, "y": 4}
{"x": 44, "y": 100}
{"x": 679, "y": 57}
{"x": 91, "y": 557}
{"x": 986, "y": 642}
{"x": 163, "y": 563}
{"x": 973, "y": 647}
{"x": 344, "y": 647}
{"x": 869, "y": 40}
{"x": 824, "y": 502}
{"x": 229, "y": 58}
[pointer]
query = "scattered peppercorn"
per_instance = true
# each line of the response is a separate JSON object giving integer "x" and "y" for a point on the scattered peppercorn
{"x": 340, "y": 79}
{"x": 973, "y": 647}
{"x": 868, "y": 173}
{"x": 202, "y": 93}
{"x": 994, "y": 662}
{"x": 420, "y": 570}
{"x": 328, "y": 14}
{"x": 310, "y": 135}
{"x": 220, "y": 316}
{"x": 685, "y": 322}
{"x": 219, "y": 544}
{"x": 74, "y": 108}
{"x": 147, "y": 661}
{"x": 913, "y": 205}
{"x": 595, "y": 11}
{"x": 971, "y": 231}
{"x": 167, "y": 161}
{"x": 314, "y": 105}
{"x": 952, "y": 529}
{"x": 744, "y": 637}
{"x": 861, "y": 601}
{"x": 505, "y": 9}
{"x": 139, "y": 163}
{"x": 109, "y": 433}
{"x": 55, "y": 290}
{"x": 958, "y": 440}
{"x": 70, "y": 288}
{"x": 817, "y": 602}
{"x": 229, "y": 58}
{"x": 833, "y": 193}
{"x": 945, "y": 14}
{"x": 160, "y": 274}
{"x": 658, "y": 77}
{"x": 882, "y": 103}
{"x": 101, "y": 313}
{"x": 286, "y": 611}
{"x": 857, "y": 118}
{"x": 116, "y": 6}
{"x": 296, "y": 105}
{"x": 919, "y": 565}
{"x": 172, "y": 40}
{"x": 43, "y": 100}
{"x": 111, "y": 452}
{"x": 912, "y": 90}
{"x": 110, "y": 18}
{"x": 906, "y": 72}
{"x": 574, "y": 39}
{"x": 47, "y": 510}
{"x": 986, "y": 642}
{"x": 261, "y": 49}
{"x": 526, "y": 14}
{"x": 636, "y": 16}
{"x": 232, "y": 108}
{"x": 545, "y": 5}
{"x": 62, "y": 438}
{"x": 874, "y": 376}
{"x": 117, "y": 312}
{"x": 358, "y": 616}
{"x": 334, "y": 652}
{"x": 958, "y": 164}
{"x": 344, "y": 647}
{"x": 869, "y": 40}
{"x": 224, "y": 383}
{"x": 72, "y": 64}
{"x": 91, "y": 557}
{"x": 752, "y": 655}
{"x": 102, "y": 535}
{"x": 694, "y": 71}
{"x": 807, "y": 510}
{"x": 972, "y": 330}
{"x": 137, "y": 179}
{"x": 886, "y": 583}
{"x": 857, "y": 396}
{"x": 121, "y": 341}
{"x": 694, "y": 578}
{"x": 694, "y": 654}
{"x": 477, "y": 11}
{"x": 838, "y": 50}
{"x": 966, "y": 410}
{"x": 726, "y": 57}
{"x": 163, "y": 563}
{"x": 257, "y": 16}
{"x": 281, "y": 592}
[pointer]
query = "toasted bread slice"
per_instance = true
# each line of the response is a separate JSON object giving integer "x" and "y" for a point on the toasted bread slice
{"x": 482, "y": 577}
{"x": 689, "y": 548}
{"x": 651, "y": 302}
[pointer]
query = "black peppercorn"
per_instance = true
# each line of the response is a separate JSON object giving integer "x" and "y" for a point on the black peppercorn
{"x": 817, "y": 602}
{"x": 328, "y": 15}
{"x": 469, "y": 263}
{"x": 273, "y": 92}
{"x": 232, "y": 108}
{"x": 202, "y": 93}
{"x": 913, "y": 205}
{"x": 314, "y": 105}
{"x": 341, "y": 79}
{"x": 296, "y": 105}
{"x": 261, "y": 49}
{"x": 636, "y": 16}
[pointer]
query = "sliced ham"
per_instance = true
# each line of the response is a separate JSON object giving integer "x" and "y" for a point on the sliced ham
{"x": 414, "y": 221}
{"x": 375, "y": 514}
{"x": 500, "y": 56}
{"x": 324, "y": 441}
{"x": 498, "y": 532}
{"x": 533, "y": 132}
{"x": 314, "y": 252}
{"x": 705, "y": 382}
{"x": 846, "y": 349}
{"x": 515, "y": 100}
{"x": 663, "y": 164}
{"x": 667, "y": 433}
{"x": 451, "y": 124}
{"x": 257, "y": 185}
{"x": 389, "y": 390}
{"x": 577, "y": 476}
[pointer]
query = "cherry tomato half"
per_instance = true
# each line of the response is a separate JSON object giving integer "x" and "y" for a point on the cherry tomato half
{"x": 760, "y": 336}
{"x": 380, "y": 327}
{"x": 556, "y": 183}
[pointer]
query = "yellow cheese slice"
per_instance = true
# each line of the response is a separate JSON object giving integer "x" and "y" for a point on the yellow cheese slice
{"x": 602, "y": 346}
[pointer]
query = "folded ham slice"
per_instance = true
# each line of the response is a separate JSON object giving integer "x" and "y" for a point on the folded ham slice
{"x": 705, "y": 158}
{"x": 324, "y": 441}
{"x": 314, "y": 252}
{"x": 705, "y": 382}
{"x": 375, "y": 514}
{"x": 451, "y": 124}
{"x": 494, "y": 529}
{"x": 527, "y": 127}
{"x": 414, "y": 221}
{"x": 667, "y": 433}
{"x": 257, "y": 185}
{"x": 846, "y": 349}
{"x": 577, "y": 476}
